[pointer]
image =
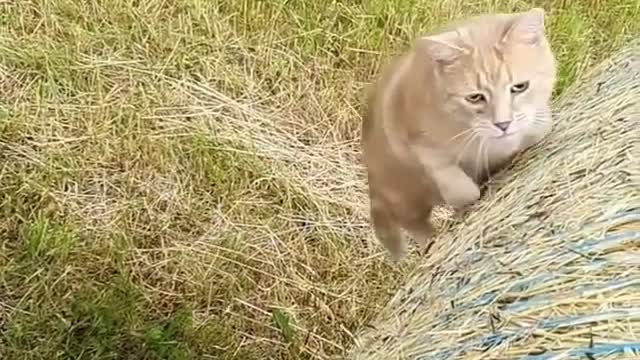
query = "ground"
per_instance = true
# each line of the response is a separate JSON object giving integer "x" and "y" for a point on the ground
{"x": 180, "y": 179}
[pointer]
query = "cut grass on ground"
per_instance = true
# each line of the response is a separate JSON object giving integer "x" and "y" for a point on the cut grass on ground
{"x": 179, "y": 179}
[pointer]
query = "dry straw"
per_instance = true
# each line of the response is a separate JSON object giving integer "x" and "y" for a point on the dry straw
{"x": 547, "y": 265}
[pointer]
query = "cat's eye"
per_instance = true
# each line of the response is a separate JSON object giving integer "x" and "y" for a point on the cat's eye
{"x": 520, "y": 87}
{"x": 475, "y": 98}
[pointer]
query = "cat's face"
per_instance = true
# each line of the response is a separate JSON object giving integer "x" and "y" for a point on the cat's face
{"x": 497, "y": 76}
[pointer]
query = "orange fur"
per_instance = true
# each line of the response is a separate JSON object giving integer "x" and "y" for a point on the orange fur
{"x": 446, "y": 115}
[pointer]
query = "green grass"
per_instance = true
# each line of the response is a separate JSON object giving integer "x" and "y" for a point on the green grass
{"x": 178, "y": 177}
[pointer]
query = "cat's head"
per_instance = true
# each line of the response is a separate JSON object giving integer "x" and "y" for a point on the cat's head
{"x": 495, "y": 74}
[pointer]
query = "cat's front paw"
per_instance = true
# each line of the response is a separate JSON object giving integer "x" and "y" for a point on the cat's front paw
{"x": 461, "y": 195}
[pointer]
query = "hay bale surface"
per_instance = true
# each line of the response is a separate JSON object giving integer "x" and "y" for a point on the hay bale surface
{"x": 547, "y": 264}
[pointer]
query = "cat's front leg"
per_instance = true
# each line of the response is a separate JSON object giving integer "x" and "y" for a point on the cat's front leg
{"x": 456, "y": 188}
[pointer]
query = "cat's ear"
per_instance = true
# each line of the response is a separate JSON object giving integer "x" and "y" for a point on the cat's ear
{"x": 442, "y": 48}
{"x": 526, "y": 28}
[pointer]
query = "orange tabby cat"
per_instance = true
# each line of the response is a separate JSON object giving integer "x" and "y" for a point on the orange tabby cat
{"x": 446, "y": 115}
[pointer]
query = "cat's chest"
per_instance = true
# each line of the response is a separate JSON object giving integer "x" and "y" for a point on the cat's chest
{"x": 483, "y": 159}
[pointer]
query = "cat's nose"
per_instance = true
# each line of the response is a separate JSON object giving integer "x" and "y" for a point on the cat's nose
{"x": 503, "y": 125}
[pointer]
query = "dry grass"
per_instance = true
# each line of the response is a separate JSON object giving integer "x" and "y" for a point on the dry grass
{"x": 546, "y": 266}
{"x": 179, "y": 179}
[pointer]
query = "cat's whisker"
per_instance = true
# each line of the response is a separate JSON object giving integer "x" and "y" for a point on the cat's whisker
{"x": 519, "y": 117}
{"x": 540, "y": 122}
{"x": 462, "y": 133}
{"x": 486, "y": 160}
{"x": 484, "y": 157}
{"x": 467, "y": 142}
{"x": 478, "y": 158}
{"x": 542, "y": 115}
{"x": 475, "y": 160}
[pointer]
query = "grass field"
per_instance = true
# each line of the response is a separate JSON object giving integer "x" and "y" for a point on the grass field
{"x": 180, "y": 179}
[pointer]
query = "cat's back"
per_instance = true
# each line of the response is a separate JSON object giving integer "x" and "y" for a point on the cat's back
{"x": 391, "y": 169}
{"x": 373, "y": 118}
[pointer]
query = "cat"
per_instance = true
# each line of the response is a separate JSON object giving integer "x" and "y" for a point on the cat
{"x": 450, "y": 112}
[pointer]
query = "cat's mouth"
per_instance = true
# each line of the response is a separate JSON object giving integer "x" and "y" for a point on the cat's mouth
{"x": 504, "y": 135}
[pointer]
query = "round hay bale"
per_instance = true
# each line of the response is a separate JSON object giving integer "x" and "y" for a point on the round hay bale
{"x": 547, "y": 264}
